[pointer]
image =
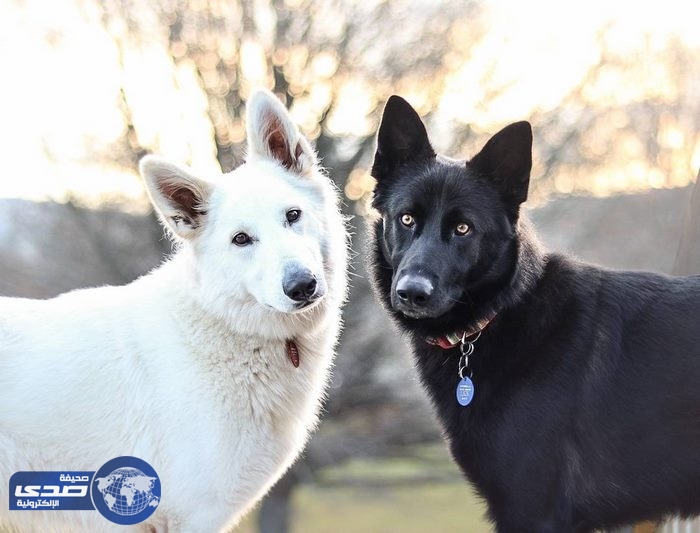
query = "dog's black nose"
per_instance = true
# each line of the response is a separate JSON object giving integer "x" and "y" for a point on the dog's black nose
{"x": 300, "y": 287}
{"x": 414, "y": 290}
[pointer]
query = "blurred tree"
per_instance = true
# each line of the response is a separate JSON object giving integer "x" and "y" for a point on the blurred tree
{"x": 621, "y": 129}
{"x": 332, "y": 62}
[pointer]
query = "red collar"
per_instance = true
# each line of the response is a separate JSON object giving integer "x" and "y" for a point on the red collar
{"x": 453, "y": 339}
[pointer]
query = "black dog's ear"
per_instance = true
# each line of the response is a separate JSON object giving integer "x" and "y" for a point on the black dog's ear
{"x": 401, "y": 138}
{"x": 506, "y": 160}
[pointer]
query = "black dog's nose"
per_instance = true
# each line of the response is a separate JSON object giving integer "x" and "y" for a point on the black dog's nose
{"x": 300, "y": 287}
{"x": 414, "y": 290}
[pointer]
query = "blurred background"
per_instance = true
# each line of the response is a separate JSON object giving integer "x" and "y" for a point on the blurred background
{"x": 88, "y": 87}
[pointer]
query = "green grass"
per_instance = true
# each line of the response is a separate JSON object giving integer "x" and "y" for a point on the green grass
{"x": 384, "y": 496}
{"x": 443, "y": 507}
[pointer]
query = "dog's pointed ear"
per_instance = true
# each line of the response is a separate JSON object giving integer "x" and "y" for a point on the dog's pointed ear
{"x": 179, "y": 198}
{"x": 272, "y": 135}
{"x": 506, "y": 160}
{"x": 401, "y": 138}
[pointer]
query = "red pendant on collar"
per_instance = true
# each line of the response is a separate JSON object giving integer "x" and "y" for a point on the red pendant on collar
{"x": 451, "y": 340}
{"x": 293, "y": 353}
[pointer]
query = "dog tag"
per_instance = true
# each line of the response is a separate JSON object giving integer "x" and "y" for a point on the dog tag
{"x": 465, "y": 391}
{"x": 293, "y": 353}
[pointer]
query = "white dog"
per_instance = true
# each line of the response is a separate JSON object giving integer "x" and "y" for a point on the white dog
{"x": 212, "y": 367}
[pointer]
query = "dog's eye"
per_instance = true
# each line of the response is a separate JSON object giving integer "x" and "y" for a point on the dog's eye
{"x": 241, "y": 239}
{"x": 408, "y": 220}
{"x": 293, "y": 215}
{"x": 462, "y": 228}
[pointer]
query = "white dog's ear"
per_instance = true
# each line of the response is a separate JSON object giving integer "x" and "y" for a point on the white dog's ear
{"x": 178, "y": 196}
{"x": 273, "y": 135}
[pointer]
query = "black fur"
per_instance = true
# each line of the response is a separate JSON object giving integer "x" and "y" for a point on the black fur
{"x": 586, "y": 411}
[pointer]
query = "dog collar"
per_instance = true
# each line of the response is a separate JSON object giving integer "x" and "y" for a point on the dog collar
{"x": 451, "y": 340}
{"x": 293, "y": 353}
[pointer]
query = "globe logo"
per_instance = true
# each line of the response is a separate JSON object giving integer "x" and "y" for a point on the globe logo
{"x": 126, "y": 490}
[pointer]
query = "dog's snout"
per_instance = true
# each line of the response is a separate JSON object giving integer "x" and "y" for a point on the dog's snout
{"x": 414, "y": 290}
{"x": 300, "y": 286}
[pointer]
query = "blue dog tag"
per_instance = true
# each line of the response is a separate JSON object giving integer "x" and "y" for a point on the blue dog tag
{"x": 465, "y": 391}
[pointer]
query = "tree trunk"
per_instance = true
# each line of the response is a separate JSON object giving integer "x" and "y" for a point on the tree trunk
{"x": 688, "y": 256}
{"x": 275, "y": 512}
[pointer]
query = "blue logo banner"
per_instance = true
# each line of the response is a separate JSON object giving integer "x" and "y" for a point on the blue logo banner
{"x": 51, "y": 491}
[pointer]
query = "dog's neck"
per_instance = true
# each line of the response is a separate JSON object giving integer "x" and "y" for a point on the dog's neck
{"x": 451, "y": 340}
{"x": 529, "y": 268}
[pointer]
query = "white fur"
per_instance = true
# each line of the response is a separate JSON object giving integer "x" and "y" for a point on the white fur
{"x": 185, "y": 367}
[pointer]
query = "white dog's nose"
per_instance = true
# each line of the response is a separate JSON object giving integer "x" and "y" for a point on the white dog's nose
{"x": 300, "y": 285}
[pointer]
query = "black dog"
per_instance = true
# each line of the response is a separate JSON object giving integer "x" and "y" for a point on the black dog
{"x": 582, "y": 394}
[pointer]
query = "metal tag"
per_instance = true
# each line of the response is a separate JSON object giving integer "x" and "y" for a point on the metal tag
{"x": 465, "y": 391}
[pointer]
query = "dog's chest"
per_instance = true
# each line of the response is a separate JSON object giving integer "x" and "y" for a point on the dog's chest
{"x": 255, "y": 410}
{"x": 259, "y": 391}
{"x": 491, "y": 437}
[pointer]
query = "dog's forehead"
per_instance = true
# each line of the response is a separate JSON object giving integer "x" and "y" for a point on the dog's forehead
{"x": 441, "y": 183}
{"x": 258, "y": 191}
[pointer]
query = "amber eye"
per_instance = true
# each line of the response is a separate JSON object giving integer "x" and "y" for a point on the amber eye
{"x": 293, "y": 215}
{"x": 462, "y": 228}
{"x": 407, "y": 220}
{"x": 241, "y": 239}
